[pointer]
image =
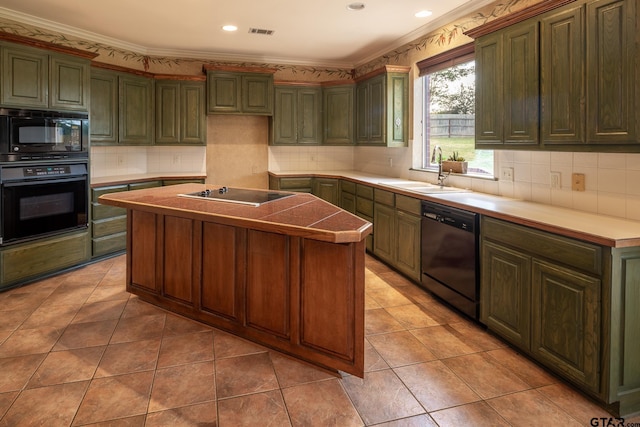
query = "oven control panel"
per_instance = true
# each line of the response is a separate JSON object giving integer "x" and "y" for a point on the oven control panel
{"x": 46, "y": 170}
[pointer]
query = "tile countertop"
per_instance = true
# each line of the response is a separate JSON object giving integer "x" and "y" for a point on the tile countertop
{"x": 140, "y": 177}
{"x": 600, "y": 229}
{"x": 301, "y": 215}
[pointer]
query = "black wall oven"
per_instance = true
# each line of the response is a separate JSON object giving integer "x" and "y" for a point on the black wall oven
{"x": 42, "y": 199}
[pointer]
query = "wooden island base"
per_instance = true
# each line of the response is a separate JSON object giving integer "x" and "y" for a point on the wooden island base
{"x": 298, "y": 295}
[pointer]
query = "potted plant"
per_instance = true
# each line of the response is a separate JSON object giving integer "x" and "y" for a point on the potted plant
{"x": 455, "y": 163}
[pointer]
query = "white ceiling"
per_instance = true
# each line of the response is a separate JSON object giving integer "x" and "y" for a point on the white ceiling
{"x": 305, "y": 32}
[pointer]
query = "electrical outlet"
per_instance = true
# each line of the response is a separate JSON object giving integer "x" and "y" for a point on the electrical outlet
{"x": 506, "y": 174}
{"x": 390, "y": 162}
{"x": 175, "y": 161}
{"x": 555, "y": 180}
{"x": 122, "y": 160}
{"x": 577, "y": 182}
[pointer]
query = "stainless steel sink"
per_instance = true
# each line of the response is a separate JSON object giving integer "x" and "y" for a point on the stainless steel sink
{"x": 424, "y": 187}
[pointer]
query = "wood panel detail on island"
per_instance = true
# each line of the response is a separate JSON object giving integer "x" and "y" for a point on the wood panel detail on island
{"x": 288, "y": 274}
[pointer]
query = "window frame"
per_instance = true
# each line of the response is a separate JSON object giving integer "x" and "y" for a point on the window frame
{"x": 456, "y": 56}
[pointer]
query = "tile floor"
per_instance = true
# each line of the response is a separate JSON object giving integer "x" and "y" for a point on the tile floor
{"x": 77, "y": 350}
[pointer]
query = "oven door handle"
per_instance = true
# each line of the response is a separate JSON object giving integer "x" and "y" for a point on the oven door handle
{"x": 36, "y": 181}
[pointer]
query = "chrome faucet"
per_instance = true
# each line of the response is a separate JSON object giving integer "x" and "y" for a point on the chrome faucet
{"x": 441, "y": 177}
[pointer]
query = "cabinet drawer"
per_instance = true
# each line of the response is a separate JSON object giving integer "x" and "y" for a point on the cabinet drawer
{"x": 97, "y": 192}
{"x": 364, "y": 191}
{"x": 408, "y": 204}
{"x": 146, "y": 184}
{"x": 384, "y": 197}
{"x": 295, "y": 183}
{"x": 99, "y": 211}
{"x": 109, "y": 244}
{"x": 348, "y": 186}
{"x": 109, "y": 226}
{"x": 182, "y": 181}
{"x": 32, "y": 259}
{"x": 575, "y": 253}
{"x": 364, "y": 206}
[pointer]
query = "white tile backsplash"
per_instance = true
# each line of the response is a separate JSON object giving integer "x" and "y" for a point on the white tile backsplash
{"x": 128, "y": 160}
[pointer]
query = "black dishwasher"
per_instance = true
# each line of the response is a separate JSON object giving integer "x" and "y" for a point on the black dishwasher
{"x": 450, "y": 267}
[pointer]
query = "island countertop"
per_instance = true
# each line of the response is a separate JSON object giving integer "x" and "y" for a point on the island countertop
{"x": 302, "y": 215}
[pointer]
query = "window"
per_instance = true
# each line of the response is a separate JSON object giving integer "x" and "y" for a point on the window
{"x": 449, "y": 110}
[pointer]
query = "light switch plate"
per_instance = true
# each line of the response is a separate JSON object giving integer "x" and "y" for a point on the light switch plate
{"x": 555, "y": 180}
{"x": 577, "y": 182}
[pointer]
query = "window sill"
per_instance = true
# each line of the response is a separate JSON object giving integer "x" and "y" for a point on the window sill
{"x": 468, "y": 174}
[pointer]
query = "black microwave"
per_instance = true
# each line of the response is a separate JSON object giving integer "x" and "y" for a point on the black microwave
{"x": 38, "y": 134}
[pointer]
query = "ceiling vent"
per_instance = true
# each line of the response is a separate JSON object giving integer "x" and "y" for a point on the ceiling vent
{"x": 260, "y": 31}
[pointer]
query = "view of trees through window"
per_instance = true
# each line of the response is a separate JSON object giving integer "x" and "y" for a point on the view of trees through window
{"x": 450, "y": 117}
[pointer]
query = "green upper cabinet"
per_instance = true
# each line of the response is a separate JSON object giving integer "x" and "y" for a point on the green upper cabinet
{"x": 382, "y": 107}
{"x": 563, "y": 80}
{"x": 104, "y": 107}
{"x": 135, "y": 110}
{"x": 231, "y": 92}
{"x": 69, "y": 83}
{"x": 180, "y": 112}
{"x": 338, "y": 114}
{"x": 297, "y": 115}
{"x": 35, "y": 78}
{"x": 122, "y": 108}
{"x": 507, "y": 87}
{"x": 612, "y": 73}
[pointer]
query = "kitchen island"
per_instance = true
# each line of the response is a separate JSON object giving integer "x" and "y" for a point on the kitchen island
{"x": 288, "y": 274}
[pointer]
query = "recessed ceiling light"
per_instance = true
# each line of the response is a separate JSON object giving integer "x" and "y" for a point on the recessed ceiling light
{"x": 230, "y": 28}
{"x": 355, "y": 6}
{"x": 424, "y": 14}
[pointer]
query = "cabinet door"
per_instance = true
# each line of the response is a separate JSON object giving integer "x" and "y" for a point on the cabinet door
{"x": 505, "y": 293}
{"x": 223, "y": 92}
{"x": 521, "y": 84}
{"x": 69, "y": 85}
{"x": 562, "y": 78}
{"x": 326, "y": 189}
{"x": 135, "y": 110}
{"x": 384, "y": 230}
{"x": 362, "y": 113}
{"x": 489, "y": 91}
{"x": 348, "y": 202}
{"x": 257, "y": 94}
{"x": 285, "y": 119}
{"x": 407, "y": 246}
{"x": 167, "y": 112}
{"x": 611, "y": 72}
{"x": 193, "y": 118}
{"x": 566, "y": 322}
{"x": 397, "y": 110}
{"x": 309, "y": 103}
{"x": 377, "y": 109}
{"x": 338, "y": 114}
{"x": 25, "y": 77}
{"x": 104, "y": 107}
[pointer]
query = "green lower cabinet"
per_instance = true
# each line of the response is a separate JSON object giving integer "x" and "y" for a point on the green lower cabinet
{"x": 505, "y": 293}
{"x": 348, "y": 202}
{"x": 568, "y": 304}
{"x": 109, "y": 223}
{"x": 621, "y": 340}
{"x": 327, "y": 189}
{"x": 397, "y": 229}
{"x": 565, "y": 329}
{"x": 22, "y": 262}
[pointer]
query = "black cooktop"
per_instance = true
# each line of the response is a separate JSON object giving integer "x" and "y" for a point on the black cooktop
{"x": 238, "y": 195}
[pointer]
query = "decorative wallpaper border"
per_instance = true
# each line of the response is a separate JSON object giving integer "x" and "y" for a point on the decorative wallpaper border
{"x": 442, "y": 37}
